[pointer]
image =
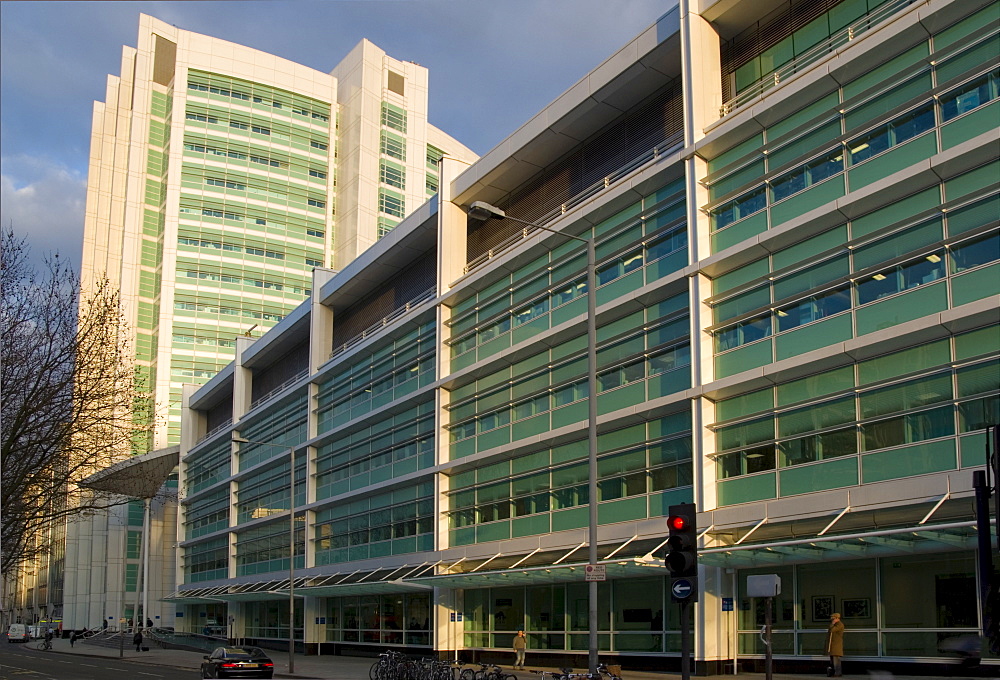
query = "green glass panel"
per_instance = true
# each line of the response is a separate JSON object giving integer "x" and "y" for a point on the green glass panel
{"x": 810, "y": 247}
{"x": 622, "y": 510}
{"x": 979, "y": 378}
{"x": 741, "y": 304}
{"x": 530, "y": 526}
{"x": 805, "y": 144}
{"x": 878, "y": 74}
{"x": 973, "y": 215}
{"x": 739, "y": 231}
{"x": 828, "y": 104}
{"x": 846, "y": 12}
{"x": 736, "y": 153}
{"x": 665, "y": 266}
{"x": 570, "y": 414}
{"x": 972, "y": 181}
{"x": 907, "y": 461}
{"x": 743, "y": 359}
{"x": 530, "y": 427}
{"x": 746, "y": 489}
{"x": 495, "y": 531}
{"x": 968, "y": 59}
{"x": 738, "y": 277}
{"x": 976, "y": 343}
{"x": 812, "y": 277}
{"x": 572, "y": 518}
{"x": 668, "y": 383}
{"x": 568, "y": 311}
{"x": 815, "y": 386}
{"x": 745, "y": 404}
{"x": 813, "y": 336}
{"x": 775, "y": 56}
{"x": 911, "y": 360}
{"x": 619, "y": 287}
{"x": 668, "y": 425}
{"x": 975, "y": 285}
{"x": 495, "y": 345}
{"x": 659, "y": 503}
{"x": 894, "y": 160}
{"x": 832, "y": 474}
{"x": 804, "y": 201}
{"x": 466, "y": 447}
{"x": 884, "y": 103}
{"x": 967, "y": 26}
{"x": 925, "y": 300}
{"x": 896, "y": 212}
{"x": 747, "y": 74}
{"x": 898, "y": 244}
{"x": 973, "y": 449}
{"x": 745, "y": 175}
{"x": 623, "y": 397}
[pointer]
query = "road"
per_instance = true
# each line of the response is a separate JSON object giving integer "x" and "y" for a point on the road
{"x": 24, "y": 662}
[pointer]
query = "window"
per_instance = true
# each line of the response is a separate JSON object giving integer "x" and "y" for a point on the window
{"x": 814, "y": 308}
{"x": 744, "y": 206}
{"x": 891, "y": 134}
{"x": 394, "y": 117}
{"x": 431, "y": 183}
{"x": 743, "y": 333}
{"x": 202, "y": 118}
{"x": 811, "y": 173}
{"x": 392, "y": 174}
{"x": 317, "y": 173}
{"x": 238, "y": 125}
{"x": 970, "y": 96}
{"x": 316, "y": 204}
{"x": 259, "y": 130}
{"x": 533, "y": 311}
{"x": 316, "y": 233}
{"x": 974, "y": 253}
{"x": 393, "y": 145}
{"x": 313, "y": 263}
{"x": 391, "y": 203}
{"x": 318, "y": 145}
{"x": 902, "y": 277}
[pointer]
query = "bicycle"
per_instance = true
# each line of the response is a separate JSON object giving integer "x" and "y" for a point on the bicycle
{"x": 44, "y": 645}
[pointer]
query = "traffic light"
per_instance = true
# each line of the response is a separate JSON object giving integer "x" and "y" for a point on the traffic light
{"x": 682, "y": 543}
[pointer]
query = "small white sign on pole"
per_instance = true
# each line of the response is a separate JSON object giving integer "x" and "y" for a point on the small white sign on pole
{"x": 597, "y": 572}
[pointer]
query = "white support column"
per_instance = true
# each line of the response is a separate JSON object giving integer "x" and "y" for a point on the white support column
{"x": 147, "y": 502}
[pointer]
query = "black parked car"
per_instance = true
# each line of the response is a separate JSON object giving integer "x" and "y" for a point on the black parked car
{"x": 237, "y": 662}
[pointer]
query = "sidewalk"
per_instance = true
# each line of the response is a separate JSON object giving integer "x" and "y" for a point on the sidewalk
{"x": 356, "y": 668}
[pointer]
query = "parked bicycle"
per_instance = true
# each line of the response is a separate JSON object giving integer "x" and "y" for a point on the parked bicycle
{"x": 44, "y": 645}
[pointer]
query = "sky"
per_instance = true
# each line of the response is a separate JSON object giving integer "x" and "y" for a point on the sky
{"x": 493, "y": 64}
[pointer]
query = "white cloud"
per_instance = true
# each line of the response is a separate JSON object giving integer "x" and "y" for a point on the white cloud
{"x": 43, "y": 201}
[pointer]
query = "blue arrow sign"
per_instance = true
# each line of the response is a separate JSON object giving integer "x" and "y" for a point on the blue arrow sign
{"x": 681, "y": 588}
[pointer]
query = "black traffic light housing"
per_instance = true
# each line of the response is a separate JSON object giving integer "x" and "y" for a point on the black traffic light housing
{"x": 682, "y": 543}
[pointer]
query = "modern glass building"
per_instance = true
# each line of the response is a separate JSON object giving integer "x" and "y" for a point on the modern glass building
{"x": 220, "y": 177}
{"x": 795, "y": 207}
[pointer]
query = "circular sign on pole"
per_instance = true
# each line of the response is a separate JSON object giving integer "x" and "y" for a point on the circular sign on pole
{"x": 681, "y": 588}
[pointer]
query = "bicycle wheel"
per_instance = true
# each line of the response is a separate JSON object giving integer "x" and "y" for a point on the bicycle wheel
{"x": 373, "y": 671}
{"x": 467, "y": 674}
{"x": 510, "y": 676}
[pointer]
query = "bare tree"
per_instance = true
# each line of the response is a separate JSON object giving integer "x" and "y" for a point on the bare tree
{"x": 71, "y": 401}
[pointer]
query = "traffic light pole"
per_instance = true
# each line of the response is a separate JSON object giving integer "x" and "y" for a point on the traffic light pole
{"x": 685, "y": 641}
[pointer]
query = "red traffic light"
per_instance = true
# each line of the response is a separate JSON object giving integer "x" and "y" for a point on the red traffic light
{"x": 677, "y": 522}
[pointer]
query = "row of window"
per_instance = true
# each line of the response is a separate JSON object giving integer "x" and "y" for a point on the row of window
{"x": 258, "y": 190}
{"x": 235, "y": 123}
{"x": 231, "y": 247}
{"x": 907, "y": 412}
{"x": 383, "y": 524}
{"x": 900, "y": 130}
{"x": 244, "y": 281}
{"x": 898, "y": 278}
{"x": 239, "y": 217}
{"x": 663, "y": 361}
{"x": 394, "y": 117}
{"x": 228, "y": 311}
{"x": 243, "y": 96}
{"x": 391, "y": 203}
{"x": 239, "y": 155}
{"x": 665, "y": 245}
{"x": 393, "y": 145}
{"x": 212, "y": 341}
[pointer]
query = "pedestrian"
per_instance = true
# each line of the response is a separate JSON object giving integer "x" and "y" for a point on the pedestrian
{"x": 72, "y": 639}
{"x": 137, "y": 641}
{"x": 835, "y": 645}
{"x": 149, "y": 623}
{"x": 104, "y": 624}
{"x": 520, "y": 645}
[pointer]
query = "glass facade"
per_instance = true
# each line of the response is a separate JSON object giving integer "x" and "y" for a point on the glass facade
{"x": 791, "y": 323}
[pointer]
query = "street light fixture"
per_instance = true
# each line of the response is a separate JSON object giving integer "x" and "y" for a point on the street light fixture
{"x": 291, "y": 543}
{"x": 480, "y": 210}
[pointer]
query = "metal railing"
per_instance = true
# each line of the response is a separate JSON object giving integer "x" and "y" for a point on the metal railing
{"x": 670, "y": 144}
{"x": 385, "y": 321}
{"x": 216, "y": 430}
{"x": 274, "y": 390}
{"x": 812, "y": 55}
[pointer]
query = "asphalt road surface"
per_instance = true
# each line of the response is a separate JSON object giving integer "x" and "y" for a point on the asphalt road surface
{"x": 24, "y": 662}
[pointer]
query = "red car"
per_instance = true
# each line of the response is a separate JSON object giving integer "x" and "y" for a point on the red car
{"x": 237, "y": 662}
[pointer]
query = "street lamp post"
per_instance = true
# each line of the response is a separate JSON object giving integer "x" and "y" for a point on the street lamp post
{"x": 291, "y": 544}
{"x": 482, "y": 210}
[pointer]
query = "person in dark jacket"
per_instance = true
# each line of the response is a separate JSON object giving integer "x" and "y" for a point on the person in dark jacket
{"x": 137, "y": 641}
{"x": 835, "y": 644}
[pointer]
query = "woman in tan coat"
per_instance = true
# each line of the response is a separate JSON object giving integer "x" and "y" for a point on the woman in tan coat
{"x": 835, "y": 645}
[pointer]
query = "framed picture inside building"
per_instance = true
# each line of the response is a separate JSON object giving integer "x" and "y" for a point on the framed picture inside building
{"x": 858, "y": 608}
{"x": 822, "y": 607}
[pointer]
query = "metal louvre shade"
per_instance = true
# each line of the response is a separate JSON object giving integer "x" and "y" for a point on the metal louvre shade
{"x": 562, "y": 573}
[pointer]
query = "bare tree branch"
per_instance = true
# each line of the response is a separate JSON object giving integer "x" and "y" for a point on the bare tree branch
{"x": 71, "y": 400}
